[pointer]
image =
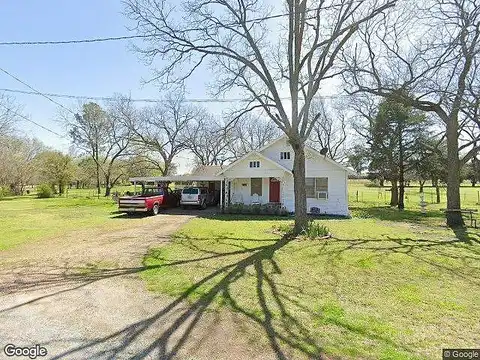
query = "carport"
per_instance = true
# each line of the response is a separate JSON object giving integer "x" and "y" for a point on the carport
{"x": 212, "y": 182}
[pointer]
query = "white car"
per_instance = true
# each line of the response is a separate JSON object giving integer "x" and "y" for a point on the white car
{"x": 197, "y": 196}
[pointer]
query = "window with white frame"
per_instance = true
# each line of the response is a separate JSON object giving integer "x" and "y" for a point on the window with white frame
{"x": 255, "y": 164}
{"x": 285, "y": 155}
{"x": 317, "y": 188}
{"x": 256, "y": 186}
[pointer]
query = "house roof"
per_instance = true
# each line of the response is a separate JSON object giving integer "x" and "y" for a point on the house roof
{"x": 206, "y": 170}
{"x": 258, "y": 154}
{"x": 349, "y": 171}
{"x": 176, "y": 178}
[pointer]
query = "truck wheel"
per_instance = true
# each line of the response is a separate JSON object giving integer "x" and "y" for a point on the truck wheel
{"x": 155, "y": 210}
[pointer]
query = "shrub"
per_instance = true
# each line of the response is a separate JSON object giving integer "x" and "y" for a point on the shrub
{"x": 5, "y": 192}
{"x": 315, "y": 230}
{"x": 246, "y": 210}
{"x": 256, "y": 209}
{"x": 44, "y": 191}
{"x": 284, "y": 228}
{"x": 283, "y": 211}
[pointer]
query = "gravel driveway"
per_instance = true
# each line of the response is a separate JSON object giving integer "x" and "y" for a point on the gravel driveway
{"x": 52, "y": 294}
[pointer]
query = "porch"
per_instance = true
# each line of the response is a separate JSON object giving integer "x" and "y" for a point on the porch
{"x": 254, "y": 191}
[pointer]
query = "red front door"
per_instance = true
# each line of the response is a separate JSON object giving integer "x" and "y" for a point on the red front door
{"x": 274, "y": 190}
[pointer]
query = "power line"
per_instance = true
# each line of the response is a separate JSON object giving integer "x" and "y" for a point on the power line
{"x": 130, "y": 37}
{"x": 107, "y": 98}
{"x": 33, "y": 122}
{"x": 79, "y": 41}
{"x": 35, "y": 90}
{"x": 111, "y": 38}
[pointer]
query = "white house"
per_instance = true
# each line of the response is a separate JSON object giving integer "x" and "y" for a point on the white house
{"x": 265, "y": 176}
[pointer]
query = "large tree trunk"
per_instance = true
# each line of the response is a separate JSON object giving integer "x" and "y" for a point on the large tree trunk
{"x": 422, "y": 184}
{"x": 437, "y": 189}
{"x": 394, "y": 193}
{"x": 98, "y": 171}
{"x": 401, "y": 176}
{"x": 301, "y": 218}
{"x": 454, "y": 218}
{"x": 108, "y": 186}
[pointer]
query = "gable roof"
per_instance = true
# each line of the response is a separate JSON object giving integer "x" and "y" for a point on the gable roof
{"x": 331, "y": 161}
{"x": 258, "y": 154}
{"x": 284, "y": 136}
{"x": 206, "y": 170}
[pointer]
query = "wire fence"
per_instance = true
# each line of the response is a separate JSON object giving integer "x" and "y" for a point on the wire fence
{"x": 470, "y": 196}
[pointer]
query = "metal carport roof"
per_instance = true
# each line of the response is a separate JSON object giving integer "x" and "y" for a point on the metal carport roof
{"x": 176, "y": 178}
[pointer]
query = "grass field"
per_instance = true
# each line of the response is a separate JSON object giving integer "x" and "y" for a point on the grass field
{"x": 26, "y": 218}
{"x": 387, "y": 285}
{"x": 376, "y": 196}
{"x": 378, "y": 289}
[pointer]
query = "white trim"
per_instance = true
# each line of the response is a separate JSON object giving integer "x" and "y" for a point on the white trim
{"x": 256, "y": 153}
{"x": 176, "y": 178}
{"x": 349, "y": 171}
{"x": 284, "y": 136}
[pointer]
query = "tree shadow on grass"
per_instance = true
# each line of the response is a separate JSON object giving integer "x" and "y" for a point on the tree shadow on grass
{"x": 284, "y": 329}
{"x": 167, "y": 346}
{"x": 467, "y": 235}
{"x": 392, "y": 214}
{"x": 423, "y": 250}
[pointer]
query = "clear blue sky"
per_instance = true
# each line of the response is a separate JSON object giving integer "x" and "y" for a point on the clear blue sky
{"x": 96, "y": 69}
{"x": 99, "y": 69}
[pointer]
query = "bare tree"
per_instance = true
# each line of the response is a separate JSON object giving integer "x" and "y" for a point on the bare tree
{"x": 427, "y": 57}
{"x": 8, "y": 114}
{"x": 330, "y": 132}
{"x": 234, "y": 37}
{"x": 158, "y": 131}
{"x": 17, "y": 162}
{"x": 209, "y": 140}
{"x": 252, "y": 133}
{"x": 104, "y": 136}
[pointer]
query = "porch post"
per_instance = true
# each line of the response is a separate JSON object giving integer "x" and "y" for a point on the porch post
{"x": 227, "y": 192}
{"x": 221, "y": 195}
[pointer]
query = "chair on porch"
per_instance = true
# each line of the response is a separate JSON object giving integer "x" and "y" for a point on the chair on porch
{"x": 256, "y": 200}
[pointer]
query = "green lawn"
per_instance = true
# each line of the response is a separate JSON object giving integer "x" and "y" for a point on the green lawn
{"x": 388, "y": 285}
{"x": 30, "y": 219}
{"x": 379, "y": 289}
{"x": 377, "y": 196}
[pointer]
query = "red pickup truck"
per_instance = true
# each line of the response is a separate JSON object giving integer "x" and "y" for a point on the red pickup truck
{"x": 150, "y": 201}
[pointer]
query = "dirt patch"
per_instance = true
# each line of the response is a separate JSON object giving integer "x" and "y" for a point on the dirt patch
{"x": 80, "y": 297}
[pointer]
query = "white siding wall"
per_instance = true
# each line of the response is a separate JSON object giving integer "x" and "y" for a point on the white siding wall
{"x": 242, "y": 193}
{"x": 273, "y": 152}
{"x": 243, "y": 170}
{"x": 316, "y": 166}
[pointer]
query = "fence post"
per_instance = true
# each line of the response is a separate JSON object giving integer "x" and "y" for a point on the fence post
{"x": 357, "y": 195}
